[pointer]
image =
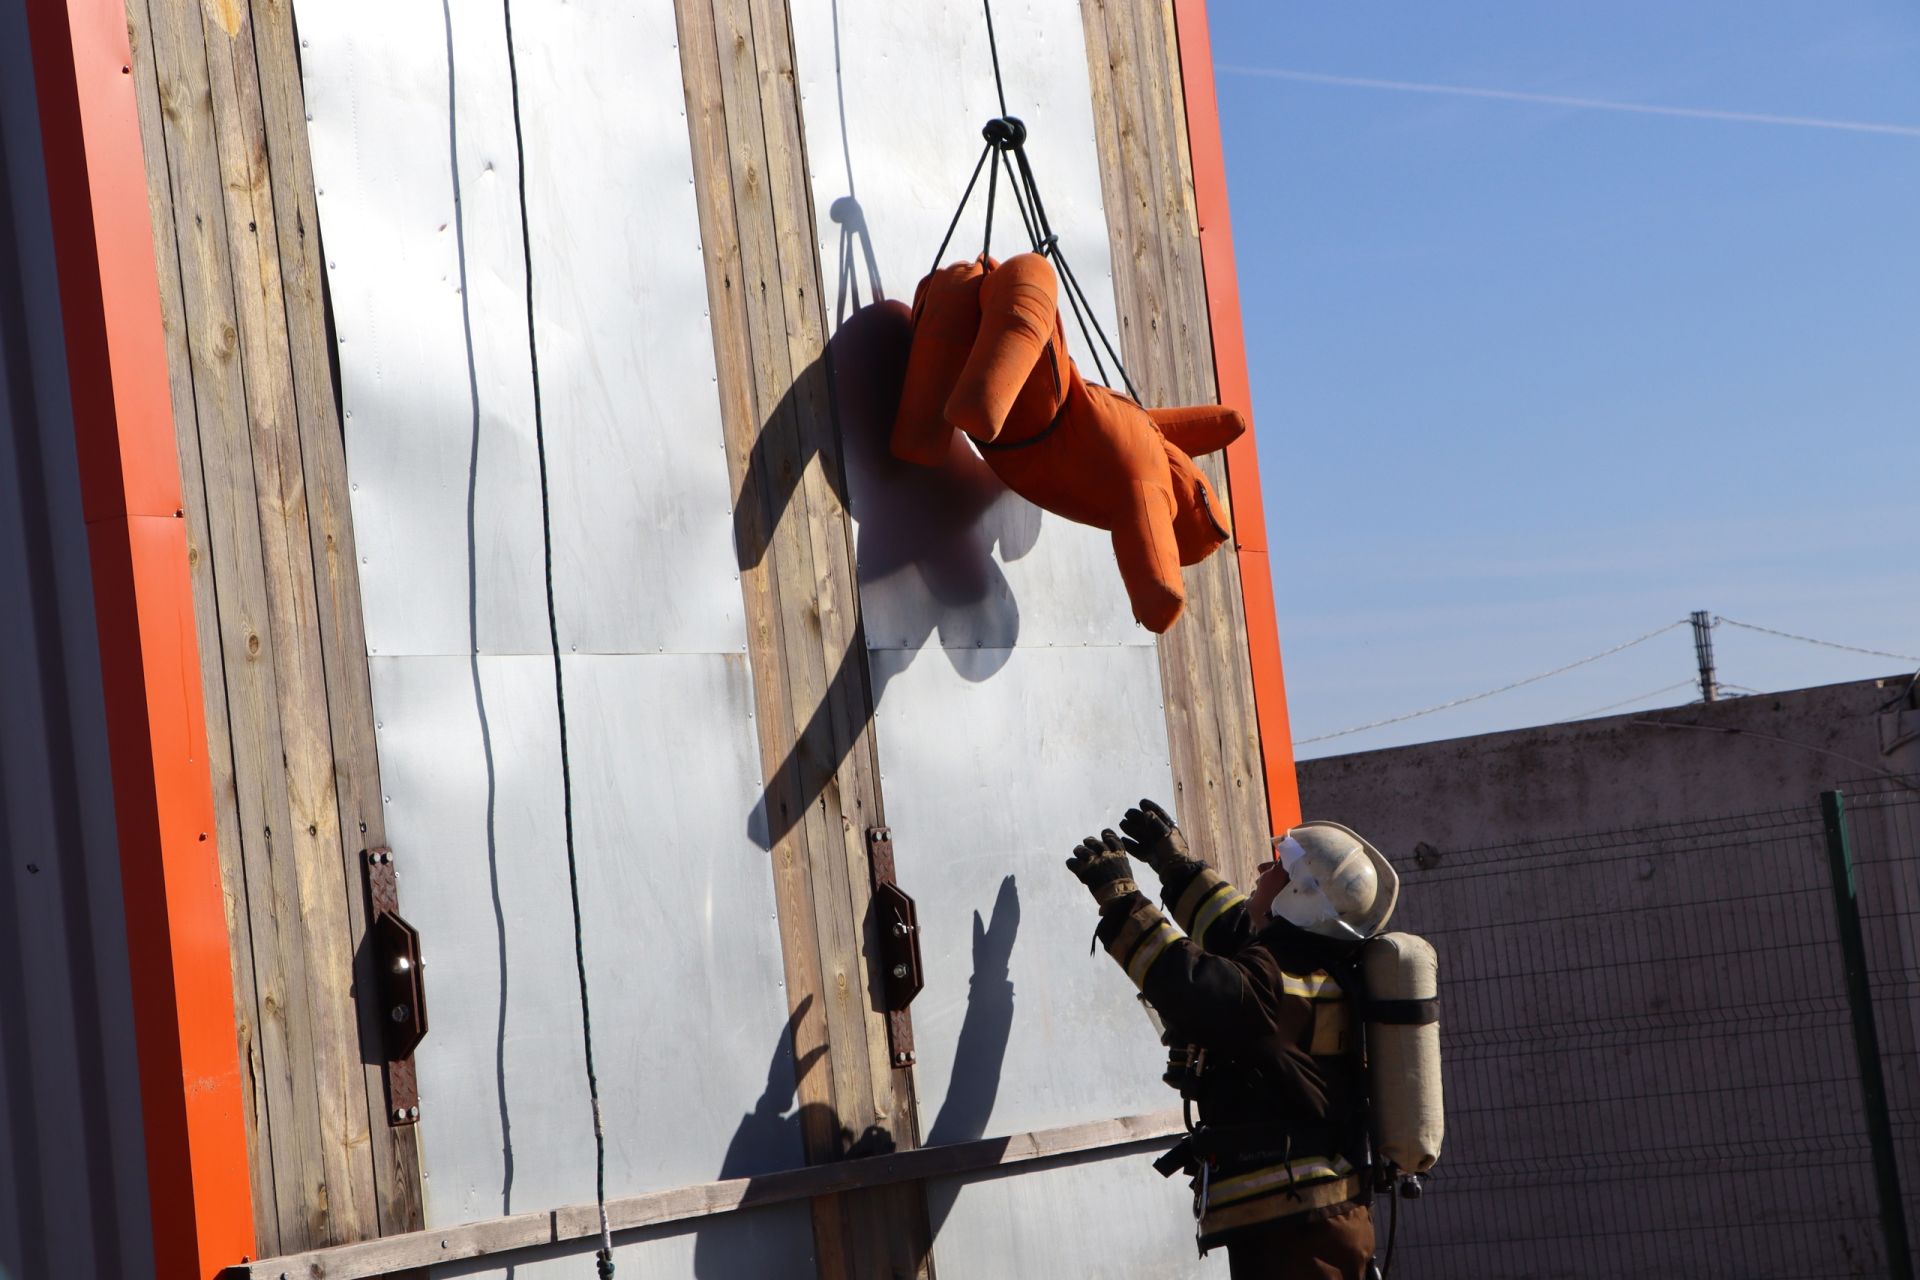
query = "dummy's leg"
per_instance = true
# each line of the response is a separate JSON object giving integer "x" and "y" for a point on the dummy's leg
{"x": 1149, "y": 557}
{"x": 1017, "y": 313}
{"x": 1199, "y": 428}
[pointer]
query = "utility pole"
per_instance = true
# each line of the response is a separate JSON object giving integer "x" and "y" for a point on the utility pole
{"x": 1703, "y": 653}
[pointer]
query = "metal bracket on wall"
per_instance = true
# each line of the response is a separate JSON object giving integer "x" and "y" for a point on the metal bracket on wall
{"x": 899, "y": 946}
{"x": 399, "y": 992}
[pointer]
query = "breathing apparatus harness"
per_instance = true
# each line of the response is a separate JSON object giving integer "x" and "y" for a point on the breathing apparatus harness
{"x": 1194, "y": 1071}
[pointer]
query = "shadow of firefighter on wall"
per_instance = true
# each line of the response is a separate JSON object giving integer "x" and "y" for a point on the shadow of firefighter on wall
{"x": 770, "y": 1134}
{"x": 925, "y": 548}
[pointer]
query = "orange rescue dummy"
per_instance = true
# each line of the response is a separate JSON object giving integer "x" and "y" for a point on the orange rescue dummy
{"x": 989, "y": 357}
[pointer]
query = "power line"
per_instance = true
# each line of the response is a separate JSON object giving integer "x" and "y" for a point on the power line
{"x": 1827, "y": 644}
{"x": 1652, "y": 693}
{"x": 1444, "y": 706}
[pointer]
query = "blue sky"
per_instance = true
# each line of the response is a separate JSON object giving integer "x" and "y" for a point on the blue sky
{"x": 1532, "y": 380}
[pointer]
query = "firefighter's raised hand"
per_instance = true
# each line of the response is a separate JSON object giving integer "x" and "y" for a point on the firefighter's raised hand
{"x": 1152, "y": 837}
{"x": 1101, "y": 863}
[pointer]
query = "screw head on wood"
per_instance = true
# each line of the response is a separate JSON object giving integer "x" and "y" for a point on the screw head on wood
{"x": 399, "y": 1013}
{"x": 900, "y": 971}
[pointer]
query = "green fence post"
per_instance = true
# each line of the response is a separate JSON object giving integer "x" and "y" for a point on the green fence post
{"x": 1866, "y": 1038}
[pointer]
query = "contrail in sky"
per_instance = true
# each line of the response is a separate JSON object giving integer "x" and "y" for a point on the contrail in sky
{"x": 1556, "y": 100}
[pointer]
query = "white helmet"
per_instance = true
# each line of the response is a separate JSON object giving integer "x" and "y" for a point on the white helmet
{"x": 1338, "y": 885}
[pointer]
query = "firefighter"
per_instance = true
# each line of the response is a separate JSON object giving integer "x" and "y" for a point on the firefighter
{"x": 1259, "y": 1032}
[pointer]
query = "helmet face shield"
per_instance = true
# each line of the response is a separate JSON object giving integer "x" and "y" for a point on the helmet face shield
{"x": 1301, "y": 903}
{"x": 1338, "y": 884}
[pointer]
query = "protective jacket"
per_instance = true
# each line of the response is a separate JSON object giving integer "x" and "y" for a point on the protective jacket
{"x": 1281, "y": 1132}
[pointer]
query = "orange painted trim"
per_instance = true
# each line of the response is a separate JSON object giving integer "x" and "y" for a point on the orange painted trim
{"x": 1230, "y": 371}
{"x": 199, "y": 1190}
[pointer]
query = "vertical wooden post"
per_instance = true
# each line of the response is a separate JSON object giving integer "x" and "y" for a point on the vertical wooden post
{"x": 806, "y": 646}
{"x": 1236, "y": 389}
{"x": 1221, "y": 755}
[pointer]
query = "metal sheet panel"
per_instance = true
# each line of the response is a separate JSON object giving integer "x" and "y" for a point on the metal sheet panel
{"x": 677, "y": 908}
{"x": 989, "y": 786}
{"x": 1112, "y": 1217}
{"x": 414, "y": 152}
{"x": 73, "y": 1168}
{"x": 414, "y": 156}
{"x": 893, "y": 98}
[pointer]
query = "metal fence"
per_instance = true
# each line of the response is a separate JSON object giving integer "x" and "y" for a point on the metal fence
{"x": 1652, "y": 1063}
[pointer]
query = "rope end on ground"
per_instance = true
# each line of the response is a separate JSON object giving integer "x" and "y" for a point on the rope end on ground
{"x": 603, "y": 1263}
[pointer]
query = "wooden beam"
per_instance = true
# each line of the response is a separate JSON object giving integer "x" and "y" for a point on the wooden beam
{"x": 276, "y": 596}
{"x": 1167, "y": 340}
{"x": 1209, "y": 174}
{"x": 813, "y": 701}
{"x": 500, "y": 1238}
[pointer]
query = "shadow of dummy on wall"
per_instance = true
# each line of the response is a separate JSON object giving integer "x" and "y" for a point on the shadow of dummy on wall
{"x": 770, "y": 1139}
{"x": 926, "y": 543}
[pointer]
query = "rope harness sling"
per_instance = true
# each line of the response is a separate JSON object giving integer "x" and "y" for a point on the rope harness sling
{"x": 1006, "y": 148}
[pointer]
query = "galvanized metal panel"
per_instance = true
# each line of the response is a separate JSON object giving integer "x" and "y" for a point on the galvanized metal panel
{"x": 989, "y": 786}
{"x": 415, "y": 158}
{"x": 695, "y": 1069}
{"x": 1111, "y": 1217}
{"x": 73, "y": 1169}
{"x": 894, "y": 96}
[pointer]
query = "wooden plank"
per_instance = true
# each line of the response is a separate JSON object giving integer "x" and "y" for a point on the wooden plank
{"x": 147, "y": 93}
{"x": 501, "y": 1238}
{"x": 313, "y": 835}
{"x": 814, "y": 705}
{"x": 727, "y": 293}
{"x": 295, "y": 1212}
{"x": 394, "y": 1152}
{"x": 1160, "y": 288}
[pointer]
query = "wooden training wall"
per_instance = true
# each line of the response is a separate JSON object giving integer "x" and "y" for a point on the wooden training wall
{"x": 290, "y": 713}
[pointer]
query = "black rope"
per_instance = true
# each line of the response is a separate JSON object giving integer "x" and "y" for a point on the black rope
{"x": 604, "y": 1257}
{"x": 993, "y": 50}
{"x": 1020, "y": 202}
{"x": 966, "y": 195}
{"x": 993, "y": 185}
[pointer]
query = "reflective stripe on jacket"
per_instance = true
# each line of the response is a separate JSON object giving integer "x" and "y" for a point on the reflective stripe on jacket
{"x": 1278, "y": 1094}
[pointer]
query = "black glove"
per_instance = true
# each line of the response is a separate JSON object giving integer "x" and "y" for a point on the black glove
{"x": 1152, "y": 837}
{"x": 1101, "y": 863}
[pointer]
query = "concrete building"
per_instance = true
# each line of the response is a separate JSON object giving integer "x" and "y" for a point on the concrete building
{"x": 1651, "y": 1024}
{"x": 1738, "y": 755}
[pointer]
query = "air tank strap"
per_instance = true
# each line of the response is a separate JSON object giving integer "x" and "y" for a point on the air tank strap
{"x": 1402, "y": 1013}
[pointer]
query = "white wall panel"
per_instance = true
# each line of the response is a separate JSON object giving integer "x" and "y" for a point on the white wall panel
{"x": 678, "y": 914}
{"x": 1100, "y": 1219}
{"x": 414, "y": 154}
{"x": 989, "y": 786}
{"x": 893, "y": 99}
{"x": 414, "y": 151}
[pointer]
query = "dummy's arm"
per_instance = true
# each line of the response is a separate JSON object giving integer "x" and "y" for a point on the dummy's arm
{"x": 1199, "y": 428}
{"x": 1017, "y": 311}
